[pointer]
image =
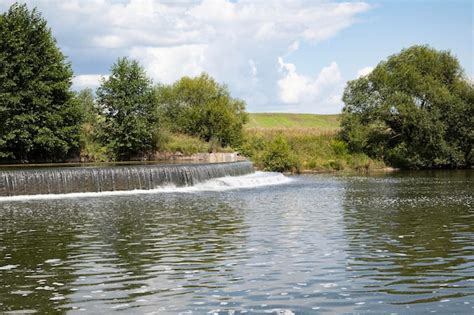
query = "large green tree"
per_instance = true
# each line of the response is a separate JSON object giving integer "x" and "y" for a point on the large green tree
{"x": 126, "y": 99}
{"x": 414, "y": 110}
{"x": 38, "y": 121}
{"x": 201, "y": 107}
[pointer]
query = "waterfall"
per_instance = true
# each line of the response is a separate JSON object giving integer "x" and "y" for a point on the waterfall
{"x": 114, "y": 178}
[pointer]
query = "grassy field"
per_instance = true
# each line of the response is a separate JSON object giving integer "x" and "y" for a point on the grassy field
{"x": 300, "y": 142}
{"x": 286, "y": 120}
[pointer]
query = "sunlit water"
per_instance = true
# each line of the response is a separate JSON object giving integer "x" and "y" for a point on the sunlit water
{"x": 260, "y": 243}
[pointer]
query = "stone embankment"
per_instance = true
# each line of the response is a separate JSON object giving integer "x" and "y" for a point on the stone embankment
{"x": 200, "y": 157}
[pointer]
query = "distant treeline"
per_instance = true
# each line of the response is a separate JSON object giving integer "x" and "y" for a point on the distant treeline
{"x": 42, "y": 119}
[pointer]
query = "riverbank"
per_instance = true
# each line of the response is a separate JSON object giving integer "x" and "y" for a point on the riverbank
{"x": 295, "y": 143}
{"x": 301, "y": 143}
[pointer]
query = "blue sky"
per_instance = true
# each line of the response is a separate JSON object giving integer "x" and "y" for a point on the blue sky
{"x": 390, "y": 26}
{"x": 282, "y": 56}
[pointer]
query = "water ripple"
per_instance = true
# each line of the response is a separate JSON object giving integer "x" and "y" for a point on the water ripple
{"x": 400, "y": 243}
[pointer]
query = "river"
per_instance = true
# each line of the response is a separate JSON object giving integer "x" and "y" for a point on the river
{"x": 261, "y": 243}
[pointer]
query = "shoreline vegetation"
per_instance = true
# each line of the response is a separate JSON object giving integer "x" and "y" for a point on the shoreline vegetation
{"x": 415, "y": 110}
{"x": 285, "y": 142}
{"x": 301, "y": 143}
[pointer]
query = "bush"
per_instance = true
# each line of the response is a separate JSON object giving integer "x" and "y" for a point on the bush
{"x": 304, "y": 149}
{"x": 185, "y": 144}
{"x": 278, "y": 157}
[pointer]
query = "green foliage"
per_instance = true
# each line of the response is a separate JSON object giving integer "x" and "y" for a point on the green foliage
{"x": 86, "y": 102}
{"x": 126, "y": 99}
{"x": 414, "y": 110}
{"x": 277, "y": 156}
{"x": 185, "y": 144}
{"x": 309, "y": 150}
{"x": 91, "y": 148}
{"x": 201, "y": 107}
{"x": 94, "y": 151}
{"x": 38, "y": 119}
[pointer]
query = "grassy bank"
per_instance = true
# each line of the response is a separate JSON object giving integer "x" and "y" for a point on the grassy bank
{"x": 274, "y": 142}
{"x": 168, "y": 143}
{"x": 300, "y": 142}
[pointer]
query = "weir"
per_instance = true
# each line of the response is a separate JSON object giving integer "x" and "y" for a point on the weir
{"x": 114, "y": 178}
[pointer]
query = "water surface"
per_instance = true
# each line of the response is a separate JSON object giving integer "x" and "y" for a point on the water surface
{"x": 400, "y": 243}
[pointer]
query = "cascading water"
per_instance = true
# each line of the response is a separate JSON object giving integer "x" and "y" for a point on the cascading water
{"x": 119, "y": 178}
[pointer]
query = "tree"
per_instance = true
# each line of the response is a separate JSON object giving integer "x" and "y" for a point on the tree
{"x": 91, "y": 146}
{"x": 126, "y": 99}
{"x": 86, "y": 102}
{"x": 38, "y": 121}
{"x": 201, "y": 107}
{"x": 414, "y": 110}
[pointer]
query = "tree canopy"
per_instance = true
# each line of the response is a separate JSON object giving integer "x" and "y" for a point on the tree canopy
{"x": 126, "y": 100}
{"x": 38, "y": 121}
{"x": 201, "y": 107}
{"x": 414, "y": 110}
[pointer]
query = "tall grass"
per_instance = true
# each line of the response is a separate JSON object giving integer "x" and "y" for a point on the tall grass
{"x": 309, "y": 149}
{"x": 188, "y": 145}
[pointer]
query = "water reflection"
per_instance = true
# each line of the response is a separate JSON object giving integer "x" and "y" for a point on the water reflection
{"x": 34, "y": 250}
{"x": 116, "y": 253}
{"x": 411, "y": 236}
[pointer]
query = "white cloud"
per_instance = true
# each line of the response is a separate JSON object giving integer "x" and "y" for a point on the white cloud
{"x": 168, "y": 64}
{"x": 253, "y": 70}
{"x": 321, "y": 93}
{"x": 83, "y": 81}
{"x": 236, "y": 42}
{"x": 108, "y": 41}
{"x": 364, "y": 71}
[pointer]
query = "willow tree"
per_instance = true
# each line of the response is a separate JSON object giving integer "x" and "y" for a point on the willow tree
{"x": 38, "y": 120}
{"x": 414, "y": 110}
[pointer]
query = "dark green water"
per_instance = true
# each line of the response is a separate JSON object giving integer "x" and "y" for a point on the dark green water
{"x": 400, "y": 243}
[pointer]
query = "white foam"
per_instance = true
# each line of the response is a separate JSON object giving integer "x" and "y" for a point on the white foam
{"x": 8, "y": 267}
{"x": 257, "y": 179}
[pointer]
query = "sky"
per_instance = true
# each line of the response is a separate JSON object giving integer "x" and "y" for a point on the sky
{"x": 278, "y": 56}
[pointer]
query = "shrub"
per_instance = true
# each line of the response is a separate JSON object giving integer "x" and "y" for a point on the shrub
{"x": 278, "y": 156}
{"x": 183, "y": 143}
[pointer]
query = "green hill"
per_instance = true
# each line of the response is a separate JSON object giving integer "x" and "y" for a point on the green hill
{"x": 286, "y": 120}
